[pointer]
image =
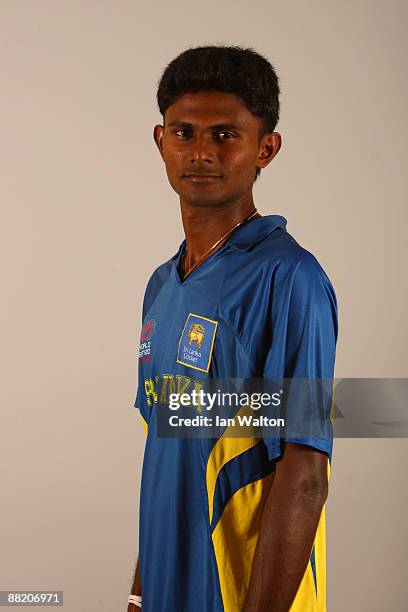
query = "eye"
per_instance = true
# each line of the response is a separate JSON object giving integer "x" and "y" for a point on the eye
{"x": 184, "y": 133}
{"x": 225, "y": 135}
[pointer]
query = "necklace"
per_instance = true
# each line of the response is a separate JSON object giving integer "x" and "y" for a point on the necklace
{"x": 188, "y": 272}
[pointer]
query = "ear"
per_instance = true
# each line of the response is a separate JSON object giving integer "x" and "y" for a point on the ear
{"x": 268, "y": 147}
{"x": 158, "y": 138}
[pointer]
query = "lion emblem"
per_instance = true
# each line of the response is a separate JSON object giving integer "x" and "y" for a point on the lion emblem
{"x": 196, "y": 334}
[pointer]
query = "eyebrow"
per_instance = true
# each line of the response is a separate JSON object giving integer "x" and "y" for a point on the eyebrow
{"x": 218, "y": 126}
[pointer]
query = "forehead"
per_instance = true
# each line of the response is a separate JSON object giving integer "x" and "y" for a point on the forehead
{"x": 211, "y": 108}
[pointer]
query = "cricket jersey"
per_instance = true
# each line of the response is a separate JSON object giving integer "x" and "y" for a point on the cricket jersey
{"x": 261, "y": 306}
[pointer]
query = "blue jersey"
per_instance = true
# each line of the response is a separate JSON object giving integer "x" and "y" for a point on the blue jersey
{"x": 259, "y": 307}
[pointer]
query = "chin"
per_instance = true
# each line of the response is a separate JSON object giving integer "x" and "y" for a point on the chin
{"x": 201, "y": 200}
{"x": 199, "y": 195}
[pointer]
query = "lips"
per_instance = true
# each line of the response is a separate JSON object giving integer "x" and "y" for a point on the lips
{"x": 202, "y": 178}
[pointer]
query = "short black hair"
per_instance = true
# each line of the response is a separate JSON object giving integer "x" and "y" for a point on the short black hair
{"x": 230, "y": 69}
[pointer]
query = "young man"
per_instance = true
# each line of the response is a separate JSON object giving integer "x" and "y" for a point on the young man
{"x": 230, "y": 524}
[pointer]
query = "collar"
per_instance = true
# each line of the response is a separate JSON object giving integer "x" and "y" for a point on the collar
{"x": 249, "y": 234}
{"x": 256, "y": 230}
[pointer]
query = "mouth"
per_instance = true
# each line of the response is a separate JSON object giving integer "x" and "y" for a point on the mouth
{"x": 201, "y": 178}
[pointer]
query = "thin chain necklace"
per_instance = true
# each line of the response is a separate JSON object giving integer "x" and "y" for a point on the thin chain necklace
{"x": 188, "y": 272}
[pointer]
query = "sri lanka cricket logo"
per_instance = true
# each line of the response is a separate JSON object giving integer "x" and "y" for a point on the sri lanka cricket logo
{"x": 196, "y": 342}
{"x": 196, "y": 334}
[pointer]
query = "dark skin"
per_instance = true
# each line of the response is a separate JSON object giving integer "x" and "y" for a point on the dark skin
{"x": 211, "y": 146}
{"x": 136, "y": 589}
{"x": 212, "y": 133}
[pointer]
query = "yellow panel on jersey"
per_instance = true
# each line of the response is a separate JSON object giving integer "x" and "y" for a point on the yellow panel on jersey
{"x": 145, "y": 425}
{"x": 223, "y": 451}
{"x": 320, "y": 560}
{"x": 235, "y": 538}
{"x": 305, "y": 599}
{"x": 320, "y": 556}
{"x": 311, "y": 598}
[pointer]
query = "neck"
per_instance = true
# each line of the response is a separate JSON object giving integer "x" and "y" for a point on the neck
{"x": 204, "y": 225}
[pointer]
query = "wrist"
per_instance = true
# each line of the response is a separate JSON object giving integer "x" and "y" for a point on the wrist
{"x": 135, "y": 600}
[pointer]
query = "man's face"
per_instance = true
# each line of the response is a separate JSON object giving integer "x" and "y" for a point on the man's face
{"x": 211, "y": 147}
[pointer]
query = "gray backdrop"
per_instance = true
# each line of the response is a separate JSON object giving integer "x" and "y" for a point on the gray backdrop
{"x": 87, "y": 214}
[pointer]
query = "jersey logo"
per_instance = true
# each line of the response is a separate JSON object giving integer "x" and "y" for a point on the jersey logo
{"x": 196, "y": 342}
{"x": 196, "y": 334}
{"x": 145, "y": 340}
{"x": 148, "y": 330}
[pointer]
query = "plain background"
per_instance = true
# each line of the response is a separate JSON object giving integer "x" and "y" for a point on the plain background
{"x": 87, "y": 214}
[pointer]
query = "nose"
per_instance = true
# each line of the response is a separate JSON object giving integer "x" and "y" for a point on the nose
{"x": 202, "y": 149}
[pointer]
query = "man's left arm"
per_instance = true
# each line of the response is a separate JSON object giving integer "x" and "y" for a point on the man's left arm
{"x": 299, "y": 489}
{"x": 288, "y": 528}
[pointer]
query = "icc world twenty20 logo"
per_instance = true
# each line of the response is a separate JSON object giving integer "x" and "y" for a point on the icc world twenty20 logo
{"x": 145, "y": 340}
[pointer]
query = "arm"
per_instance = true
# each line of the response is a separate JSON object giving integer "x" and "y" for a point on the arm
{"x": 136, "y": 589}
{"x": 289, "y": 523}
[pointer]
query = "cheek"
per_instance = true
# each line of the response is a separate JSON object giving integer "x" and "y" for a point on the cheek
{"x": 172, "y": 158}
{"x": 242, "y": 162}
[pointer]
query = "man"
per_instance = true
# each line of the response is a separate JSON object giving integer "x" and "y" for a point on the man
{"x": 230, "y": 524}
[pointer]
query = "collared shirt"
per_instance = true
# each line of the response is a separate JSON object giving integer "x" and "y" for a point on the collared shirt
{"x": 261, "y": 306}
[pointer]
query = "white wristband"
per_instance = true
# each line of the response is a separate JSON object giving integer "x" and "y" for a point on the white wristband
{"x": 135, "y": 599}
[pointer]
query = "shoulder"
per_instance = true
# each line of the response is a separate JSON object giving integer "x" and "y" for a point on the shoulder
{"x": 155, "y": 283}
{"x": 294, "y": 286}
{"x": 291, "y": 263}
{"x": 160, "y": 274}
{"x": 306, "y": 289}
{"x": 282, "y": 247}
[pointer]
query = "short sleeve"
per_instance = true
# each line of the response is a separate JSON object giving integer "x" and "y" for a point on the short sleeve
{"x": 303, "y": 355}
{"x": 153, "y": 287}
{"x": 140, "y": 401}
